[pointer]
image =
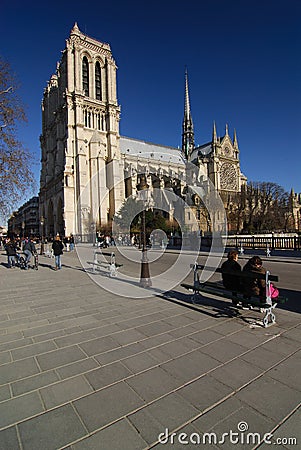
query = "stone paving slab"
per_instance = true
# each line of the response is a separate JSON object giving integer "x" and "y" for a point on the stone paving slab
{"x": 51, "y": 430}
{"x": 119, "y": 435}
{"x": 289, "y": 433}
{"x": 107, "y": 405}
{"x": 83, "y": 368}
{"x": 20, "y": 408}
{"x": 273, "y": 406}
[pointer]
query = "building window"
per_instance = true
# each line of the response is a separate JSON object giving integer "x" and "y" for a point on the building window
{"x": 85, "y": 76}
{"x": 98, "y": 81}
{"x": 87, "y": 116}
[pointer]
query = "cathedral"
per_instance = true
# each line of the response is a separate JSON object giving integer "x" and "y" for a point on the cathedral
{"x": 88, "y": 169}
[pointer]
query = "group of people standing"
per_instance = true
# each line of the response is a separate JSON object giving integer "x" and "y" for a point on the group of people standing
{"x": 27, "y": 245}
{"x": 249, "y": 286}
{"x": 14, "y": 246}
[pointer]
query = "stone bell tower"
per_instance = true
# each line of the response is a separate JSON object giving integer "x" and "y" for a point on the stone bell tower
{"x": 81, "y": 168}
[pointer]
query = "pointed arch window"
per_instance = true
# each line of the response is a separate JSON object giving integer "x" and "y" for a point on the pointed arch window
{"x": 98, "y": 81}
{"x": 86, "y": 76}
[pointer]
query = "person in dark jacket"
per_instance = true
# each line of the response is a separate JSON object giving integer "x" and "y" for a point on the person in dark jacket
{"x": 28, "y": 250}
{"x": 57, "y": 247}
{"x": 230, "y": 273}
{"x": 254, "y": 286}
{"x": 11, "y": 251}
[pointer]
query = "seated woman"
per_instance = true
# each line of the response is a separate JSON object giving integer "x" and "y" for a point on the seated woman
{"x": 254, "y": 286}
{"x": 230, "y": 273}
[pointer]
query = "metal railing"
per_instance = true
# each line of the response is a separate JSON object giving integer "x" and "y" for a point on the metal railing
{"x": 264, "y": 242}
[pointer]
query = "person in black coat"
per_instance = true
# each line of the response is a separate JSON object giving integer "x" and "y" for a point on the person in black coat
{"x": 230, "y": 273}
{"x": 11, "y": 251}
{"x": 57, "y": 247}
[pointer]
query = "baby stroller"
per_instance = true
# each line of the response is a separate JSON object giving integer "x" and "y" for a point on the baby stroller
{"x": 20, "y": 261}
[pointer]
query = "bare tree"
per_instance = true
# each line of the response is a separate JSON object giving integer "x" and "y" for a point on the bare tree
{"x": 267, "y": 206}
{"x": 16, "y": 176}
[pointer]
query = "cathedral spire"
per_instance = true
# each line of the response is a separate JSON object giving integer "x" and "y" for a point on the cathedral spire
{"x": 187, "y": 127}
{"x": 214, "y": 135}
{"x": 235, "y": 143}
{"x": 75, "y": 29}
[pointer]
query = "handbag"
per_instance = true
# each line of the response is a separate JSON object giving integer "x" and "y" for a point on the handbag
{"x": 274, "y": 293}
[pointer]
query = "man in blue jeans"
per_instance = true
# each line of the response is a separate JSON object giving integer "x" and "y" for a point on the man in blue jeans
{"x": 57, "y": 247}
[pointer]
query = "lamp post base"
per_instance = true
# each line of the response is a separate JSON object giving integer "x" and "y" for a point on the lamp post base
{"x": 145, "y": 280}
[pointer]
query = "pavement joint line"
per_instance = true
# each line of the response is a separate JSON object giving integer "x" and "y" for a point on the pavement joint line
{"x": 19, "y": 437}
{"x": 154, "y": 401}
{"x": 103, "y": 365}
{"x": 282, "y": 331}
{"x": 205, "y": 411}
{"x": 97, "y": 337}
{"x": 282, "y": 421}
{"x": 96, "y": 328}
{"x": 123, "y": 320}
{"x": 144, "y": 351}
{"x": 124, "y": 380}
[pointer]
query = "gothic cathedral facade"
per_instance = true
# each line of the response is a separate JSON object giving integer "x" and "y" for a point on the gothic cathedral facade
{"x": 88, "y": 169}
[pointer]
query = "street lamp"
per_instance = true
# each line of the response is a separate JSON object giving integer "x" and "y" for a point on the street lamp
{"x": 145, "y": 280}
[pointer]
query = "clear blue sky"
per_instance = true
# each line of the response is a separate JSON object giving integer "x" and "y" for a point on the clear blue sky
{"x": 243, "y": 60}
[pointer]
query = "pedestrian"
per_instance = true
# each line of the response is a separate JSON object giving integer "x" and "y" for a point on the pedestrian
{"x": 57, "y": 247}
{"x": 230, "y": 273}
{"x": 71, "y": 242}
{"x": 28, "y": 250}
{"x": 253, "y": 286}
{"x": 11, "y": 251}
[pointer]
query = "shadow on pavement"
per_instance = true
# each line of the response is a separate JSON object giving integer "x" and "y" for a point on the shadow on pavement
{"x": 209, "y": 306}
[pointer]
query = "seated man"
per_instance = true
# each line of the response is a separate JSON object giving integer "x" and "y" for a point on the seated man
{"x": 230, "y": 273}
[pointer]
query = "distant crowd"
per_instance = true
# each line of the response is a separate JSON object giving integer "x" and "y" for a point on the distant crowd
{"x": 22, "y": 251}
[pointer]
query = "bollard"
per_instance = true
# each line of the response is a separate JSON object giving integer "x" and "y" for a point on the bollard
{"x": 113, "y": 269}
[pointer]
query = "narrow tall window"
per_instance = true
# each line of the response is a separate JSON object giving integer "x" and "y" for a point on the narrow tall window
{"x": 98, "y": 81}
{"x": 85, "y": 76}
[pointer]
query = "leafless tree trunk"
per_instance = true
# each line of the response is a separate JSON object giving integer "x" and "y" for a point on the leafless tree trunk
{"x": 16, "y": 176}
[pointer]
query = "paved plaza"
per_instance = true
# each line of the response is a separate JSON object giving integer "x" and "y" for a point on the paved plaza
{"x": 83, "y": 368}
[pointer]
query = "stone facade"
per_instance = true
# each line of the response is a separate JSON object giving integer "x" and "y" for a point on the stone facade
{"x": 88, "y": 169}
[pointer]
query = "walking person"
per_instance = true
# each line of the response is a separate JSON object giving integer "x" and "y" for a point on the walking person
{"x": 71, "y": 242}
{"x": 57, "y": 247}
{"x": 11, "y": 251}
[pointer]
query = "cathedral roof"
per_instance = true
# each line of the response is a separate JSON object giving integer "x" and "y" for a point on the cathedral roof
{"x": 201, "y": 150}
{"x": 150, "y": 151}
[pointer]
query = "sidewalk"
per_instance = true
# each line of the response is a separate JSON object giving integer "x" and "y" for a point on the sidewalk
{"x": 81, "y": 368}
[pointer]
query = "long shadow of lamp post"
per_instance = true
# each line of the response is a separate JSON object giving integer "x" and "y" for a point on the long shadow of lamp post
{"x": 145, "y": 280}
